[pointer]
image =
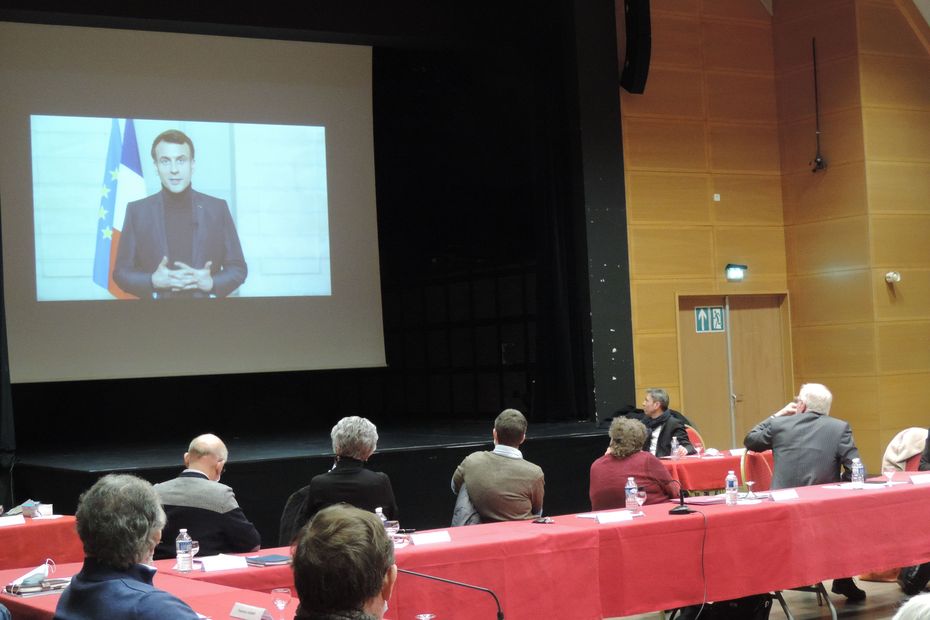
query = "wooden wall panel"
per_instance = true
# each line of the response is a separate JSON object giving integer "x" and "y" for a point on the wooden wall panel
{"x": 672, "y": 252}
{"x": 832, "y": 23}
{"x": 892, "y": 81}
{"x": 747, "y": 148}
{"x": 676, "y": 41}
{"x": 900, "y": 241}
{"x": 664, "y": 144}
{"x": 655, "y": 301}
{"x": 904, "y": 346}
{"x": 741, "y": 98}
{"x": 737, "y": 46}
{"x": 898, "y": 187}
{"x": 856, "y": 400}
{"x": 809, "y": 197}
{"x": 669, "y": 92}
{"x": 835, "y": 350}
{"x": 840, "y": 139}
{"x": 828, "y": 246}
{"x": 913, "y": 389}
{"x": 908, "y": 299}
{"x": 657, "y": 359}
{"x": 897, "y": 134}
{"x": 678, "y": 7}
{"x": 838, "y": 88}
{"x": 661, "y": 197}
{"x": 747, "y": 199}
{"x": 832, "y": 298}
{"x": 760, "y": 247}
{"x": 738, "y": 10}
{"x": 884, "y": 29}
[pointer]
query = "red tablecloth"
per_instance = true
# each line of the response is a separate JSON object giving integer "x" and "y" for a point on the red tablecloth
{"x": 578, "y": 569}
{"x": 261, "y": 579}
{"x": 707, "y": 472}
{"x": 30, "y": 544}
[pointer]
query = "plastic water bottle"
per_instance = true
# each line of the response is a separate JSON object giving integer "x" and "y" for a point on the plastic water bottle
{"x": 674, "y": 452}
{"x": 858, "y": 474}
{"x": 731, "y": 489}
{"x": 182, "y": 549}
{"x": 380, "y": 512}
{"x": 631, "y": 489}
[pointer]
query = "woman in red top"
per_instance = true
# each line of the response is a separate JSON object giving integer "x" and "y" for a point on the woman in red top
{"x": 624, "y": 458}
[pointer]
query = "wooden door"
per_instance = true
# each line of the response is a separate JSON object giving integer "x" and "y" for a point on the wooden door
{"x": 754, "y": 352}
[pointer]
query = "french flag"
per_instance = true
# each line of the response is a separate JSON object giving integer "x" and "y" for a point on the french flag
{"x": 122, "y": 183}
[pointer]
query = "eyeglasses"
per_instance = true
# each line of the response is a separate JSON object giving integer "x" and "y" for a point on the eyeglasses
{"x": 167, "y": 162}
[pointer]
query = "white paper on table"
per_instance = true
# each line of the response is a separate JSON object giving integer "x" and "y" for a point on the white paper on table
{"x": 587, "y": 515}
{"x": 14, "y": 520}
{"x": 737, "y": 451}
{"x": 614, "y": 516}
{"x": 249, "y": 612}
{"x": 781, "y": 495}
{"x": 47, "y": 517}
{"x": 223, "y": 562}
{"x": 41, "y": 569}
{"x": 428, "y": 538}
{"x": 920, "y": 478}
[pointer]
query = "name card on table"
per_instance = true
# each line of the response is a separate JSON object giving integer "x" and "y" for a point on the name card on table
{"x": 781, "y": 495}
{"x": 614, "y": 516}
{"x": 920, "y": 479}
{"x": 14, "y": 520}
{"x": 428, "y": 538}
{"x": 223, "y": 562}
{"x": 249, "y": 612}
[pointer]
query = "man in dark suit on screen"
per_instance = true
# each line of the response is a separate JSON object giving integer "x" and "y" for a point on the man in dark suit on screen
{"x": 809, "y": 447}
{"x": 178, "y": 242}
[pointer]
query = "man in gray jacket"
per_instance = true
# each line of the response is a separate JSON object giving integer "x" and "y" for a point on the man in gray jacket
{"x": 197, "y": 501}
{"x": 809, "y": 447}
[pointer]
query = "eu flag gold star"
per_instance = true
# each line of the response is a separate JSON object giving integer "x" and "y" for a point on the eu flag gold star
{"x": 102, "y": 213}
{"x": 105, "y": 191}
{"x": 114, "y": 174}
{"x": 107, "y": 233}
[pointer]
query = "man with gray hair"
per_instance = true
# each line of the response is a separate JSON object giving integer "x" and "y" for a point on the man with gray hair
{"x": 355, "y": 439}
{"x": 119, "y": 521}
{"x": 197, "y": 501}
{"x": 502, "y": 485}
{"x": 809, "y": 447}
{"x": 662, "y": 426}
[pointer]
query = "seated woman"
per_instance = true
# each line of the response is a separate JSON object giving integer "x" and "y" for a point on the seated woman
{"x": 624, "y": 458}
{"x": 354, "y": 441}
{"x": 343, "y": 566}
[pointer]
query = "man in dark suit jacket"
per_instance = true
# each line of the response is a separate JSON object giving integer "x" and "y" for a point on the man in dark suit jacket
{"x": 661, "y": 426}
{"x": 809, "y": 447}
{"x": 178, "y": 242}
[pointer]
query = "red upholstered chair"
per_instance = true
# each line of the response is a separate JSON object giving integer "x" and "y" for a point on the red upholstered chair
{"x": 753, "y": 466}
{"x": 912, "y": 464}
{"x": 694, "y": 437}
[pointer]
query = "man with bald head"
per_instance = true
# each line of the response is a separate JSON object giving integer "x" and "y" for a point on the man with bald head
{"x": 197, "y": 501}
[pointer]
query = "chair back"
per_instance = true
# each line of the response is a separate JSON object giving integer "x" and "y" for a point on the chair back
{"x": 754, "y": 466}
{"x": 694, "y": 436}
{"x": 903, "y": 447}
{"x": 290, "y": 516}
{"x": 913, "y": 463}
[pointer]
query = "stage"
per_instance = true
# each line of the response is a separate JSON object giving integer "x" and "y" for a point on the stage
{"x": 265, "y": 470}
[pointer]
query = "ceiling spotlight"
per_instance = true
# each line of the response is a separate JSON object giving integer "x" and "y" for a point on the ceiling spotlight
{"x": 735, "y": 273}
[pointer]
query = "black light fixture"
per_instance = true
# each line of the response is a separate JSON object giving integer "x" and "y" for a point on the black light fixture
{"x": 735, "y": 273}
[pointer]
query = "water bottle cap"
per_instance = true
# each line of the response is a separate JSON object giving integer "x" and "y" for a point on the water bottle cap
{"x": 183, "y": 529}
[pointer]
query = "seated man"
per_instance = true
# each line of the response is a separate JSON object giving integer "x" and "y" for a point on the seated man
{"x": 119, "y": 521}
{"x": 809, "y": 447}
{"x": 197, "y": 501}
{"x": 354, "y": 439}
{"x": 913, "y": 579}
{"x": 501, "y": 484}
{"x": 662, "y": 426}
{"x": 343, "y": 566}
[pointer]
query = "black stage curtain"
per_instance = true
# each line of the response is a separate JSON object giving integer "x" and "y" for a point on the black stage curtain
{"x": 7, "y": 431}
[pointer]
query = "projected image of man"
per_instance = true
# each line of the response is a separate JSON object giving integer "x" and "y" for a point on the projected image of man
{"x": 178, "y": 242}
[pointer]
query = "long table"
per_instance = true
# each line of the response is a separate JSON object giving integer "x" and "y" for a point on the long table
{"x": 576, "y": 568}
{"x": 705, "y": 473}
{"x": 35, "y": 540}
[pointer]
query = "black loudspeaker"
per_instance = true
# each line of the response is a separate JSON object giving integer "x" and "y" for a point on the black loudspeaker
{"x": 634, "y": 43}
